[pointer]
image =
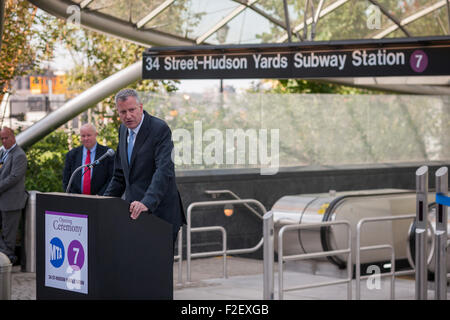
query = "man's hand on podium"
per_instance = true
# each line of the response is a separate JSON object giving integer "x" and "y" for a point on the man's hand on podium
{"x": 136, "y": 208}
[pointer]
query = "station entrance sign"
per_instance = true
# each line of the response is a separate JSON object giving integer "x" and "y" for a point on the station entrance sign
{"x": 356, "y": 58}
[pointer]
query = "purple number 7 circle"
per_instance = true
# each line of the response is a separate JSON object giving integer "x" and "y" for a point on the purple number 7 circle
{"x": 75, "y": 254}
{"x": 418, "y": 61}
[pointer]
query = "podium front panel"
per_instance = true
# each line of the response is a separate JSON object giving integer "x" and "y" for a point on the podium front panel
{"x": 88, "y": 247}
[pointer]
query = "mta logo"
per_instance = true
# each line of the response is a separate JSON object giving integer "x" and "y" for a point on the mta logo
{"x": 56, "y": 252}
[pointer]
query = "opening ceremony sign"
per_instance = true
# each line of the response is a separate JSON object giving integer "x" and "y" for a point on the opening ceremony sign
{"x": 66, "y": 245}
{"x": 352, "y": 58}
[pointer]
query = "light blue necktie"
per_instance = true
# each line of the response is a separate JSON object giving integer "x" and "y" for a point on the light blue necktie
{"x": 130, "y": 145}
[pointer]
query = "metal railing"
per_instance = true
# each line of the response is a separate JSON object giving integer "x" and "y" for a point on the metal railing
{"x": 29, "y": 240}
{"x": 282, "y": 258}
{"x": 440, "y": 235}
{"x": 224, "y": 250}
{"x": 212, "y": 253}
{"x": 179, "y": 256}
{"x": 421, "y": 292}
{"x": 392, "y": 273}
{"x": 215, "y": 193}
{"x": 268, "y": 256}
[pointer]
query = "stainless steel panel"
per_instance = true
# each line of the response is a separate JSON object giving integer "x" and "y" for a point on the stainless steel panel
{"x": 351, "y": 206}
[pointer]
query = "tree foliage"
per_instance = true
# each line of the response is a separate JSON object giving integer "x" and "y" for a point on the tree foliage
{"x": 46, "y": 162}
{"x": 94, "y": 57}
{"x": 329, "y": 129}
{"x": 350, "y": 20}
{"x": 312, "y": 86}
{"x": 17, "y": 52}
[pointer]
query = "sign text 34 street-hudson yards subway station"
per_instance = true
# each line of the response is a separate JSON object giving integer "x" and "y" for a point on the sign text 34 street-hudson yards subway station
{"x": 254, "y": 63}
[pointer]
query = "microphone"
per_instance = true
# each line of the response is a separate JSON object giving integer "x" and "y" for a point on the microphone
{"x": 109, "y": 153}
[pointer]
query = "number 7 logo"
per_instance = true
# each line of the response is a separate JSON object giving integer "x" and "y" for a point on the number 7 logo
{"x": 75, "y": 254}
{"x": 76, "y": 250}
{"x": 418, "y": 61}
{"x": 419, "y": 58}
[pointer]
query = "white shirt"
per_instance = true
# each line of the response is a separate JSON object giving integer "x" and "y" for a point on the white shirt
{"x": 135, "y": 130}
{"x": 6, "y": 152}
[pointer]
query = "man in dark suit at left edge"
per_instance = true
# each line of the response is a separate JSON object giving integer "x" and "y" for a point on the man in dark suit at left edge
{"x": 13, "y": 196}
{"x": 92, "y": 181}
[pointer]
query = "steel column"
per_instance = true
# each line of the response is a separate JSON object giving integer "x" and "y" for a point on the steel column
{"x": 441, "y": 236}
{"x": 268, "y": 279}
{"x": 421, "y": 232}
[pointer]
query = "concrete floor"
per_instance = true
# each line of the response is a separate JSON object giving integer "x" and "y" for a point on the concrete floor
{"x": 245, "y": 282}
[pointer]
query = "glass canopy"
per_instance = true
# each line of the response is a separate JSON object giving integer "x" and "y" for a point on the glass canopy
{"x": 230, "y": 22}
{"x": 269, "y": 21}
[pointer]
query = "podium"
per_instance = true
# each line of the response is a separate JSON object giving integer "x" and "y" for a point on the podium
{"x": 88, "y": 247}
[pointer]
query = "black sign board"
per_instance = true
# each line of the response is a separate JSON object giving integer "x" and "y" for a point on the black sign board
{"x": 358, "y": 58}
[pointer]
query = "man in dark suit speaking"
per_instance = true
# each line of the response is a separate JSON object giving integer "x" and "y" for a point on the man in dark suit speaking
{"x": 143, "y": 166}
{"x": 88, "y": 181}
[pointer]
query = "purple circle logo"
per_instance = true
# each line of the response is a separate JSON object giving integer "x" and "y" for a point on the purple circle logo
{"x": 75, "y": 254}
{"x": 418, "y": 61}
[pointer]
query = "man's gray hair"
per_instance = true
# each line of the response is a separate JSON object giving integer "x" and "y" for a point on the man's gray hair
{"x": 89, "y": 126}
{"x": 123, "y": 95}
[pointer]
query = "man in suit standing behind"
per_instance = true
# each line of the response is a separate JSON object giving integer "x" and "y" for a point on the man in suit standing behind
{"x": 143, "y": 166}
{"x": 13, "y": 196}
{"x": 88, "y": 181}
